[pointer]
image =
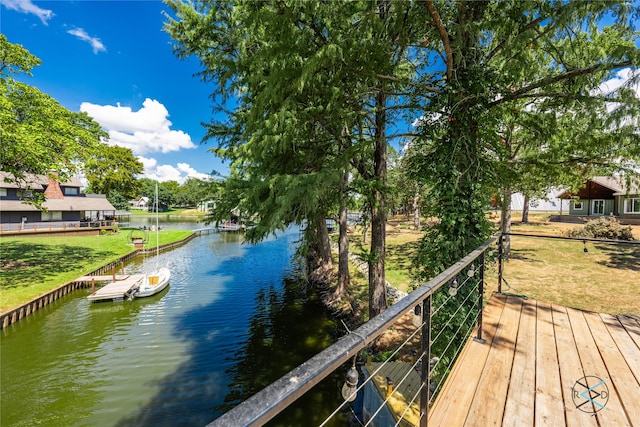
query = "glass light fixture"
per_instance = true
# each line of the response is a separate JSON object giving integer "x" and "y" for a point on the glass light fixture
{"x": 417, "y": 315}
{"x": 472, "y": 270}
{"x": 350, "y": 385}
{"x": 453, "y": 287}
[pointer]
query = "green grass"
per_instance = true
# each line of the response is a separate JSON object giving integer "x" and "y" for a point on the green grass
{"x": 606, "y": 279}
{"x": 170, "y": 212}
{"x": 32, "y": 266}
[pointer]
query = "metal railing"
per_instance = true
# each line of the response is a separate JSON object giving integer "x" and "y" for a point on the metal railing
{"x": 440, "y": 328}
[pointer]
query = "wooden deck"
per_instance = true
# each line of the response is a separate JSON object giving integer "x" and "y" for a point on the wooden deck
{"x": 531, "y": 369}
{"x": 119, "y": 289}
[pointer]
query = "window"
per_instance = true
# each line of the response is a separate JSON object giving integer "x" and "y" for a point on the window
{"x": 632, "y": 205}
{"x": 598, "y": 207}
{"x": 52, "y": 216}
{"x": 25, "y": 194}
{"x": 70, "y": 191}
{"x": 3, "y": 192}
{"x": 577, "y": 206}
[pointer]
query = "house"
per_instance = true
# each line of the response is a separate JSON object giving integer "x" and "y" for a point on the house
{"x": 64, "y": 206}
{"x": 605, "y": 195}
{"x": 141, "y": 203}
{"x": 550, "y": 203}
{"x": 206, "y": 206}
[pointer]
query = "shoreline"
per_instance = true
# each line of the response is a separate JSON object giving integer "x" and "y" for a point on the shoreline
{"x": 18, "y": 313}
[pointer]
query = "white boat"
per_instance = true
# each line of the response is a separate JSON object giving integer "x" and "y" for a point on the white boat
{"x": 153, "y": 282}
{"x": 158, "y": 279}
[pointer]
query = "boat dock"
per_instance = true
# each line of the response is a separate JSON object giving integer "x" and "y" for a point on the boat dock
{"x": 117, "y": 289}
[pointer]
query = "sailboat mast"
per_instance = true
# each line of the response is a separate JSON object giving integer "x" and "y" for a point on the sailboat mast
{"x": 157, "y": 230}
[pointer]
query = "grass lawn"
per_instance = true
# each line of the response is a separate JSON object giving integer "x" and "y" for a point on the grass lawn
{"x": 170, "y": 212}
{"x": 605, "y": 279}
{"x": 32, "y": 266}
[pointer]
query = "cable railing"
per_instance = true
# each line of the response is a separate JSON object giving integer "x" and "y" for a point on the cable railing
{"x": 448, "y": 307}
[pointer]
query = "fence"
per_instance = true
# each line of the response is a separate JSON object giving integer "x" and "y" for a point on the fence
{"x": 446, "y": 310}
{"x": 54, "y": 226}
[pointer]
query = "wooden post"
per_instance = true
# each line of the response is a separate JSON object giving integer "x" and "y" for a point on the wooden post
{"x": 500, "y": 265}
{"x": 93, "y": 285}
{"x": 122, "y": 267}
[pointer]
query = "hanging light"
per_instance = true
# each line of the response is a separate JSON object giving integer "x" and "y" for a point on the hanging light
{"x": 472, "y": 270}
{"x": 453, "y": 287}
{"x": 351, "y": 384}
{"x": 417, "y": 315}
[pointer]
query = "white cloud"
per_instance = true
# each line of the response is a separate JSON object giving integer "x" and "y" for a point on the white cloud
{"x": 25, "y": 6}
{"x": 95, "y": 42}
{"x": 162, "y": 173}
{"x": 144, "y": 131}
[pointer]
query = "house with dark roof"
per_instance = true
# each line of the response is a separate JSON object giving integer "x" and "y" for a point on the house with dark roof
{"x": 64, "y": 208}
{"x": 605, "y": 195}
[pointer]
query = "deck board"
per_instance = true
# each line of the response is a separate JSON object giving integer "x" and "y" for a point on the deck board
{"x": 593, "y": 365}
{"x": 570, "y": 367}
{"x": 526, "y": 371}
{"x": 457, "y": 387}
{"x": 628, "y": 389}
{"x": 488, "y": 409}
{"x": 521, "y": 398}
{"x": 549, "y": 406}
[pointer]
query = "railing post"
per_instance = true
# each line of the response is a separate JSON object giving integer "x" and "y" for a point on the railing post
{"x": 425, "y": 373}
{"x": 500, "y": 263}
{"x": 478, "y": 337}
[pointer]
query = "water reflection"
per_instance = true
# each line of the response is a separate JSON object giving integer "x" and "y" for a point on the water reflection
{"x": 228, "y": 323}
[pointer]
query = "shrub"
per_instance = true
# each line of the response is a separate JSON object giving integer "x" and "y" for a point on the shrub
{"x": 603, "y": 228}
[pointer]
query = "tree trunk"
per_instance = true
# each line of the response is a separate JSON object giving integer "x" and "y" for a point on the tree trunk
{"x": 505, "y": 220}
{"x": 320, "y": 262}
{"x": 377, "y": 280}
{"x": 344, "y": 279}
{"x": 525, "y": 210}
{"x": 416, "y": 212}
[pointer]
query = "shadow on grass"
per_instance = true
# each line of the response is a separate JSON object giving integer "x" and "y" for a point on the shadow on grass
{"x": 624, "y": 257}
{"x": 25, "y": 263}
{"x": 401, "y": 255}
{"x": 523, "y": 255}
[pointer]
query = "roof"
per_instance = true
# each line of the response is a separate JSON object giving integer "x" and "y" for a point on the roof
{"x": 68, "y": 204}
{"x": 617, "y": 186}
{"x": 35, "y": 182}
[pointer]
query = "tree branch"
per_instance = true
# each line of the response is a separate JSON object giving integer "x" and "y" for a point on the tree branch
{"x": 437, "y": 21}
{"x": 520, "y": 93}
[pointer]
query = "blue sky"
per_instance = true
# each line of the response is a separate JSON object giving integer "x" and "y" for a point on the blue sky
{"x": 112, "y": 60}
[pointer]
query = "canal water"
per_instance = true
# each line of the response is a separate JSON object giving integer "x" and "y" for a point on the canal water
{"x": 234, "y": 318}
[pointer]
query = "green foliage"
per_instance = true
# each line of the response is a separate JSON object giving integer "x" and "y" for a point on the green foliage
{"x": 195, "y": 190}
{"x": 38, "y": 135}
{"x": 518, "y": 106}
{"x": 118, "y": 201}
{"x": 603, "y": 228}
{"x": 508, "y": 94}
{"x": 114, "y": 170}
